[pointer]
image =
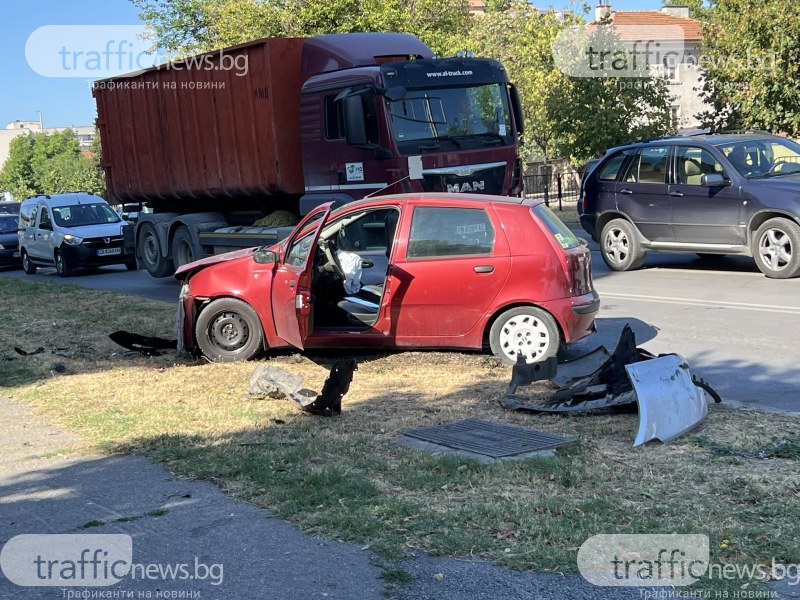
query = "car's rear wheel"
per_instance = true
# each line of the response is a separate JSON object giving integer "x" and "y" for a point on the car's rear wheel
{"x": 620, "y": 246}
{"x": 150, "y": 252}
{"x": 27, "y": 265}
{"x": 228, "y": 330}
{"x": 63, "y": 268}
{"x": 777, "y": 248}
{"x": 527, "y": 332}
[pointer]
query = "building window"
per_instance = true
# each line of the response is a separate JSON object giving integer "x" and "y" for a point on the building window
{"x": 670, "y": 68}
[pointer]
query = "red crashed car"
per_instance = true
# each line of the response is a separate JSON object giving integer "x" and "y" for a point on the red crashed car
{"x": 436, "y": 271}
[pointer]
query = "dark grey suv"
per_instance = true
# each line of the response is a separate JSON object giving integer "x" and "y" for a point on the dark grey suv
{"x": 725, "y": 193}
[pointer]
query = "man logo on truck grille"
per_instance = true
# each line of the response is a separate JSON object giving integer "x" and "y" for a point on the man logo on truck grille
{"x": 475, "y": 186}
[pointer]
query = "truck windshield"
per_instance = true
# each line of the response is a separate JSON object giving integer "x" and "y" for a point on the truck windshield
{"x": 79, "y": 215}
{"x": 464, "y": 117}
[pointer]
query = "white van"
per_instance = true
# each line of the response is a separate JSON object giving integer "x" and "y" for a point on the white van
{"x": 70, "y": 231}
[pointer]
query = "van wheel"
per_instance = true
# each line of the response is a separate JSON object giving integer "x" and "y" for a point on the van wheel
{"x": 27, "y": 265}
{"x": 524, "y": 331}
{"x": 228, "y": 330}
{"x": 777, "y": 248}
{"x": 150, "y": 252}
{"x": 63, "y": 267}
{"x": 620, "y": 246}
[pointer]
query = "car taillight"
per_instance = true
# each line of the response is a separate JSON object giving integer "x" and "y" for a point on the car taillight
{"x": 579, "y": 273}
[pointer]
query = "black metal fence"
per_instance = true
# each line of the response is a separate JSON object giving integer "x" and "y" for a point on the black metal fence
{"x": 552, "y": 187}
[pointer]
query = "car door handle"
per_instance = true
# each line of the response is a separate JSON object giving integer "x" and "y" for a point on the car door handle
{"x": 626, "y": 191}
{"x": 484, "y": 269}
{"x": 676, "y": 194}
{"x": 367, "y": 264}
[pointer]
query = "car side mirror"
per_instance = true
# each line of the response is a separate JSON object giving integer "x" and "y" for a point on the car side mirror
{"x": 710, "y": 180}
{"x": 265, "y": 257}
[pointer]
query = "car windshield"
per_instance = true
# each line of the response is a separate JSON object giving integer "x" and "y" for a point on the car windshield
{"x": 8, "y": 224}
{"x": 763, "y": 158}
{"x": 79, "y": 215}
{"x": 473, "y": 117}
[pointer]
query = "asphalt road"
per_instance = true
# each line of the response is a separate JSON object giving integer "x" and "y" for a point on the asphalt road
{"x": 736, "y": 328}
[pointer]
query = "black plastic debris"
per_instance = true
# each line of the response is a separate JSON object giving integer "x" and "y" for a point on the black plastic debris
{"x": 22, "y": 352}
{"x": 145, "y": 345}
{"x": 269, "y": 381}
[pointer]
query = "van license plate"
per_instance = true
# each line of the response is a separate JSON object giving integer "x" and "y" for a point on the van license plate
{"x": 109, "y": 251}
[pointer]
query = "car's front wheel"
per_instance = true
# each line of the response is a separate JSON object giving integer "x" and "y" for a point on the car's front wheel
{"x": 777, "y": 248}
{"x": 527, "y": 332}
{"x": 63, "y": 268}
{"x": 228, "y": 330}
{"x": 620, "y": 246}
{"x": 27, "y": 265}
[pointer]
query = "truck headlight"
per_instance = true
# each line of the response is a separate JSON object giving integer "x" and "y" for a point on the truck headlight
{"x": 73, "y": 240}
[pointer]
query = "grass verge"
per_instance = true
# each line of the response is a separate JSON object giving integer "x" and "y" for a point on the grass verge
{"x": 735, "y": 479}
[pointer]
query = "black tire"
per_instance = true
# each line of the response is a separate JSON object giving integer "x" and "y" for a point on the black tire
{"x": 776, "y": 248}
{"x": 183, "y": 250}
{"x": 131, "y": 265}
{"x": 27, "y": 265}
{"x": 228, "y": 330}
{"x": 150, "y": 253}
{"x": 620, "y": 246}
{"x": 524, "y": 328}
{"x": 63, "y": 268}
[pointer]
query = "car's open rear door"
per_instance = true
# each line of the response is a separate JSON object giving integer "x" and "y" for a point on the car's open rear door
{"x": 291, "y": 283}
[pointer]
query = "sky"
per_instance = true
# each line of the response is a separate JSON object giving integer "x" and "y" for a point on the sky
{"x": 67, "y": 101}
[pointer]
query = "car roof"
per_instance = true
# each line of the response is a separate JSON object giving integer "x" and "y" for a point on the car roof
{"x": 709, "y": 138}
{"x": 68, "y": 199}
{"x": 434, "y": 198}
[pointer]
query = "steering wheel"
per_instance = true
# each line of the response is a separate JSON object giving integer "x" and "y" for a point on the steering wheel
{"x": 332, "y": 261}
{"x": 783, "y": 161}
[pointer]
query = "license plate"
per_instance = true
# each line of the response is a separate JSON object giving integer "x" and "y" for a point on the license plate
{"x": 109, "y": 251}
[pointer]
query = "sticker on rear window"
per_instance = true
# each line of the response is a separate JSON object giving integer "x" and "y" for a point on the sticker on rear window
{"x": 561, "y": 240}
{"x": 466, "y": 229}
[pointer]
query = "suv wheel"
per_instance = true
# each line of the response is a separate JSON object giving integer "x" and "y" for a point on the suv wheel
{"x": 62, "y": 266}
{"x": 620, "y": 247}
{"x": 27, "y": 265}
{"x": 777, "y": 248}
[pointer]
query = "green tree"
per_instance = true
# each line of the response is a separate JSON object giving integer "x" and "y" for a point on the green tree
{"x": 751, "y": 66}
{"x": 50, "y": 163}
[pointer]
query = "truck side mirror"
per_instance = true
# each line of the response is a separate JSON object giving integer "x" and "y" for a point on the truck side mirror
{"x": 355, "y": 126}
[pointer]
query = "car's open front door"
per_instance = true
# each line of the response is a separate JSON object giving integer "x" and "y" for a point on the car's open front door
{"x": 291, "y": 284}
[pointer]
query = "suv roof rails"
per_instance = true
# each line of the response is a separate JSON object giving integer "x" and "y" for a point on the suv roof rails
{"x": 739, "y": 131}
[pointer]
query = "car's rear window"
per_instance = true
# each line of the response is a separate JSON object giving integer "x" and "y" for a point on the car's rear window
{"x": 564, "y": 236}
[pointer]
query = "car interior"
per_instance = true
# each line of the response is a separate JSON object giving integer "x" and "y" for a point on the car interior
{"x": 370, "y": 235}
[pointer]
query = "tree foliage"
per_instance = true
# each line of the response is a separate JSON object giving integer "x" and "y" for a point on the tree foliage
{"x": 50, "y": 163}
{"x": 751, "y": 66}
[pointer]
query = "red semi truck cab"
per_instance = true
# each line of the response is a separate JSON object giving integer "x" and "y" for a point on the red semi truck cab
{"x": 214, "y": 142}
{"x": 383, "y": 115}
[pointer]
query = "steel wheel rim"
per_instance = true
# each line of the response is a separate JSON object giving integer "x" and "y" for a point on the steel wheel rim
{"x": 775, "y": 249}
{"x": 616, "y": 246}
{"x": 229, "y": 331}
{"x": 525, "y": 335}
{"x": 150, "y": 248}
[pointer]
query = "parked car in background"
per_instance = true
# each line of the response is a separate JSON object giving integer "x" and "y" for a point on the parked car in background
{"x": 437, "y": 271}
{"x": 70, "y": 231}
{"x": 9, "y": 208}
{"x": 713, "y": 194}
{"x": 9, "y": 251}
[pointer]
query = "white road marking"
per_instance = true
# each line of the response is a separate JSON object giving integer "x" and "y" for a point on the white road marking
{"x": 791, "y": 310}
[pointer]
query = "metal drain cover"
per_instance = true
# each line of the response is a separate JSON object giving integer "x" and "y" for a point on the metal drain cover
{"x": 496, "y": 441}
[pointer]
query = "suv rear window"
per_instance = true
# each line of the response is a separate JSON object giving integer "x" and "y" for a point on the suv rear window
{"x": 610, "y": 170}
{"x": 556, "y": 227}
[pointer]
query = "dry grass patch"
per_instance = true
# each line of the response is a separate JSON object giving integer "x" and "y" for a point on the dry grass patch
{"x": 735, "y": 478}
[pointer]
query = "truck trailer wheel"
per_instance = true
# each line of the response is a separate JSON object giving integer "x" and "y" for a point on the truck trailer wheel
{"x": 150, "y": 251}
{"x": 183, "y": 250}
{"x": 228, "y": 330}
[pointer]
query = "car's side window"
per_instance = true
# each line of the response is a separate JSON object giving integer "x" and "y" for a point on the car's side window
{"x": 443, "y": 231}
{"x": 44, "y": 219}
{"x": 649, "y": 167}
{"x": 691, "y": 163}
{"x": 300, "y": 248}
{"x": 610, "y": 170}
